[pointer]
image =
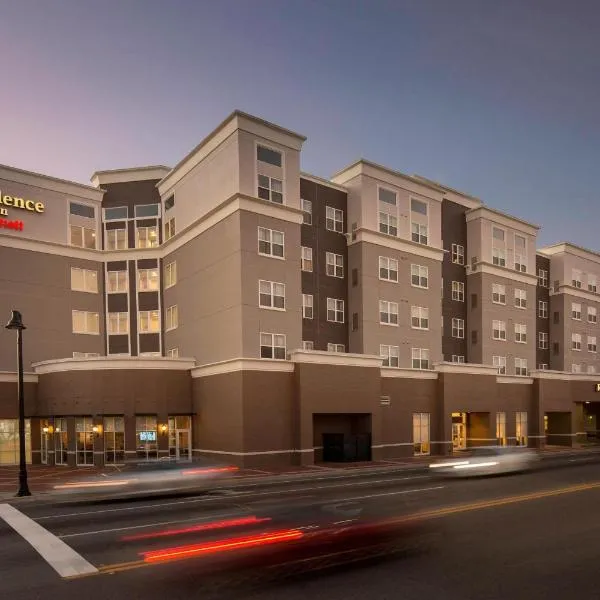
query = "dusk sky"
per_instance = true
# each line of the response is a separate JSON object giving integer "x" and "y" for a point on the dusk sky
{"x": 500, "y": 99}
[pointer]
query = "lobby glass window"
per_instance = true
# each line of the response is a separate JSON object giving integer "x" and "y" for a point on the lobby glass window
{"x": 269, "y": 156}
{"x": 306, "y": 211}
{"x": 388, "y": 269}
{"x": 388, "y": 224}
{"x": 173, "y": 353}
{"x": 307, "y": 259}
{"x": 170, "y": 274}
{"x": 521, "y": 428}
{"x": 271, "y": 295}
{"x": 147, "y": 280}
{"x": 420, "y": 358}
{"x": 84, "y": 280}
{"x": 270, "y": 188}
{"x": 501, "y": 428}
{"x": 334, "y": 219}
{"x": 335, "y": 310}
{"x": 147, "y": 211}
{"x": 146, "y": 237}
{"x": 9, "y": 441}
{"x": 114, "y": 440}
{"x": 458, "y": 254}
{"x": 171, "y": 318}
{"x": 307, "y": 306}
{"x": 86, "y": 322}
{"x": 336, "y": 348}
{"x": 119, "y": 213}
{"x": 500, "y": 363}
{"x": 116, "y": 282}
{"x": 388, "y": 312}
{"x": 84, "y": 436}
{"x": 149, "y": 321}
{"x": 458, "y": 291}
{"x": 271, "y": 242}
{"x": 273, "y": 345}
{"x": 118, "y": 323}
{"x": 146, "y": 437}
{"x": 421, "y": 432}
{"x": 335, "y": 264}
{"x": 419, "y": 276}
{"x": 521, "y": 366}
{"x": 390, "y": 355}
{"x": 82, "y": 210}
{"x": 419, "y": 317}
{"x": 82, "y": 237}
{"x": 169, "y": 228}
{"x": 61, "y": 441}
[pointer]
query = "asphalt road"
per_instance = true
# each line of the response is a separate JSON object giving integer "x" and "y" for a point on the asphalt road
{"x": 526, "y": 536}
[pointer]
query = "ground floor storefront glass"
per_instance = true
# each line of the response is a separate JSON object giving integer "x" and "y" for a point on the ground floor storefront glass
{"x": 9, "y": 441}
{"x": 114, "y": 440}
{"x": 85, "y": 441}
{"x": 421, "y": 433}
{"x": 180, "y": 437}
{"x": 61, "y": 441}
{"x": 521, "y": 428}
{"x": 146, "y": 437}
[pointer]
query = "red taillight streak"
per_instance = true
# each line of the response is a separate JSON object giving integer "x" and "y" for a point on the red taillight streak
{"x": 196, "y": 528}
{"x": 181, "y": 552}
{"x": 209, "y": 471}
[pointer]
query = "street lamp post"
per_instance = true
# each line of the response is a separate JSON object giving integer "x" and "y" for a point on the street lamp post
{"x": 16, "y": 322}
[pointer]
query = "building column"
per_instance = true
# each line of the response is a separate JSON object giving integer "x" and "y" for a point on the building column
{"x": 130, "y": 438}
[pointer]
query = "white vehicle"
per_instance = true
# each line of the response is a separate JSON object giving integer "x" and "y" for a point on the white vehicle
{"x": 487, "y": 460}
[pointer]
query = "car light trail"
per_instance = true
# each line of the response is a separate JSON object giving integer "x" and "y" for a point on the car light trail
{"x": 448, "y": 464}
{"x": 93, "y": 484}
{"x": 209, "y": 471}
{"x": 492, "y": 463}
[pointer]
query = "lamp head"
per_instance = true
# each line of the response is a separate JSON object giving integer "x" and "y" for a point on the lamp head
{"x": 16, "y": 321}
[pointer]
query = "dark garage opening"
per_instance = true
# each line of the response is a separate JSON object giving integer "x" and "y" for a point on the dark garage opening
{"x": 342, "y": 437}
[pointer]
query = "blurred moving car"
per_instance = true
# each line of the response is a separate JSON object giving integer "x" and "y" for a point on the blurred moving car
{"x": 161, "y": 476}
{"x": 487, "y": 460}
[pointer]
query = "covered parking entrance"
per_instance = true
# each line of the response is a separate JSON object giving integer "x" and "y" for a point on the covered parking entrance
{"x": 342, "y": 437}
{"x": 558, "y": 428}
{"x": 591, "y": 421}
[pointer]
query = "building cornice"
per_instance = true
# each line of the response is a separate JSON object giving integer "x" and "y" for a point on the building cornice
{"x": 569, "y": 290}
{"x": 317, "y": 357}
{"x": 502, "y": 272}
{"x": 565, "y": 376}
{"x": 149, "y": 173}
{"x": 514, "y": 379}
{"x": 12, "y": 377}
{"x": 243, "y": 364}
{"x": 113, "y": 363}
{"x": 502, "y": 219}
{"x": 465, "y": 368}
{"x": 369, "y": 236}
{"x": 405, "y": 373}
{"x": 569, "y": 248}
{"x": 459, "y": 197}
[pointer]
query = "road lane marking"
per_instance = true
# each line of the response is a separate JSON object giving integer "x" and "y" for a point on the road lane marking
{"x": 62, "y": 558}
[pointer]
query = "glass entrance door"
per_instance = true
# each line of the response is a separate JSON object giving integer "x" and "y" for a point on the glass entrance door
{"x": 183, "y": 444}
{"x": 459, "y": 436}
{"x": 180, "y": 437}
{"x": 44, "y": 444}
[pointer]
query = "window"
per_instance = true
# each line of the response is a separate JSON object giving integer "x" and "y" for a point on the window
{"x": 307, "y": 259}
{"x": 306, "y": 211}
{"x": 270, "y": 188}
{"x": 146, "y": 438}
{"x": 498, "y": 247}
{"x": 307, "y": 306}
{"x": 419, "y": 276}
{"x": 169, "y": 203}
{"x": 576, "y": 341}
{"x": 498, "y": 234}
{"x": 116, "y": 214}
{"x": 171, "y": 318}
{"x": 85, "y": 355}
{"x": 498, "y": 293}
{"x": 458, "y": 328}
{"x": 542, "y": 340}
{"x": 520, "y": 333}
{"x": 499, "y": 330}
{"x": 146, "y": 237}
{"x": 273, "y": 345}
{"x": 501, "y": 428}
{"x": 591, "y": 343}
{"x": 336, "y": 348}
{"x": 520, "y": 298}
{"x": 308, "y": 345}
{"x": 592, "y": 286}
{"x": 387, "y": 196}
{"x": 500, "y": 363}
{"x": 458, "y": 358}
{"x": 576, "y": 311}
{"x": 334, "y": 219}
{"x": 82, "y": 237}
{"x": 458, "y": 254}
{"x": 268, "y": 155}
{"x": 543, "y": 366}
{"x": 556, "y": 286}
{"x": 421, "y": 439}
{"x": 147, "y": 210}
{"x": 521, "y": 366}
{"x": 458, "y": 291}
{"x": 520, "y": 254}
{"x": 85, "y": 322}
{"x": 419, "y": 233}
{"x": 335, "y": 310}
{"x": 118, "y": 323}
{"x": 116, "y": 239}
{"x": 388, "y": 269}
{"x": 591, "y": 369}
{"x": 420, "y": 358}
{"x": 84, "y": 434}
{"x": 521, "y": 428}
{"x": 419, "y": 317}
{"x": 173, "y": 353}
{"x": 388, "y": 224}
{"x": 543, "y": 278}
{"x": 418, "y": 207}
{"x": 543, "y": 309}
{"x": 576, "y": 278}
{"x": 388, "y": 312}
{"x": 147, "y": 280}
{"x": 270, "y": 242}
{"x": 499, "y": 257}
{"x": 592, "y": 314}
{"x": 390, "y": 355}
{"x": 335, "y": 264}
{"x": 169, "y": 228}
{"x": 271, "y": 295}
{"x": 148, "y": 321}
{"x": 576, "y": 368}
{"x": 84, "y": 280}
{"x": 114, "y": 440}
{"x": 116, "y": 282}
{"x": 170, "y": 277}
{"x": 82, "y": 210}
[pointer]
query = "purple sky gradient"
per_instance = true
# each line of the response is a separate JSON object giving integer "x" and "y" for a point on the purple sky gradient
{"x": 499, "y": 99}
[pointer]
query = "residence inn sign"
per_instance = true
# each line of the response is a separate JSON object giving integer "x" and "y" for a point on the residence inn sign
{"x": 7, "y": 202}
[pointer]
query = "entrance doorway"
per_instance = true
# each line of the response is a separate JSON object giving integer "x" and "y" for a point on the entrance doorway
{"x": 180, "y": 438}
{"x": 459, "y": 431}
{"x": 45, "y": 436}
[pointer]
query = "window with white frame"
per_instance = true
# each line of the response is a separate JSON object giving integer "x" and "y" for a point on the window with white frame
{"x": 171, "y": 318}
{"x": 334, "y": 219}
{"x": 306, "y": 211}
{"x": 85, "y": 355}
{"x": 458, "y": 291}
{"x": 592, "y": 285}
{"x": 420, "y": 358}
{"x": 84, "y": 280}
{"x": 335, "y": 310}
{"x": 498, "y": 247}
{"x": 576, "y": 278}
{"x": 117, "y": 213}
{"x": 521, "y": 428}
{"x": 116, "y": 239}
{"x": 543, "y": 309}
{"x": 173, "y": 353}
{"x": 543, "y": 366}
{"x": 419, "y": 276}
{"x": 576, "y": 341}
{"x": 118, "y": 323}
{"x": 273, "y": 345}
{"x": 271, "y": 294}
{"x": 270, "y": 189}
{"x": 500, "y": 363}
{"x": 520, "y": 253}
{"x": 498, "y": 293}
{"x": 307, "y": 306}
{"x": 336, "y": 348}
{"x": 146, "y": 237}
{"x": 591, "y": 343}
{"x": 82, "y": 237}
{"x": 271, "y": 242}
{"x": 458, "y": 358}
{"x": 576, "y": 368}
{"x": 387, "y": 196}
{"x": 116, "y": 282}
{"x": 499, "y": 330}
{"x": 521, "y": 366}
{"x": 148, "y": 280}
{"x": 334, "y": 265}
{"x": 542, "y": 278}
{"x": 390, "y": 355}
{"x": 542, "y": 340}
{"x": 419, "y": 317}
{"x": 388, "y": 224}
{"x": 591, "y": 369}
{"x": 458, "y": 328}
{"x": 307, "y": 259}
{"x": 148, "y": 321}
{"x": 388, "y": 312}
{"x": 520, "y": 298}
{"x": 145, "y": 211}
{"x": 169, "y": 228}
{"x": 458, "y": 254}
{"x": 269, "y": 156}
{"x": 308, "y": 345}
{"x": 388, "y": 269}
{"x": 520, "y": 333}
{"x": 421, "y": 434}
{"x": 420, "y": 233}
{"x": 592, "y": 314}
{"x": 170, "y": 274}
{"x": 85, "y": 322}
{"x": 576, "y": 311}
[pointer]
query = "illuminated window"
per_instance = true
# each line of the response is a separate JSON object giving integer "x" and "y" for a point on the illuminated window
{"x": 147, "y": 280}
{"x": 171, "y": 318}
{"x": 116, "y": 282}
{"x": 421, "y": 433}
{"x": 170, "y": 274}
{"x": 84, "y": 280}
{"x": 148, "y": 321}
{"x": 116, "y": 239}
{"x": 118, "y": 322}
{"x": 146, "y": 237}
{"x": 82, "y": 237}
{"x": 85, "y": 322}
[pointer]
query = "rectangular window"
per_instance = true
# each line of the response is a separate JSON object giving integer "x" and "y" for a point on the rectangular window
{"x": 171, "y": 318}
{"x": 82, "y": 210}
{"x": 543, "y": 366}
{"x": 458, "y": 291}
{"x": 498, "y": 293}
{"x": 576, "y": 311}
{"x": 170, "y": 274}
{"x": 271, "y": 295}
{"x": 501, "y": 428}
{"x": 419, "y": 276}
{"x": 388, "y": 269}
{"x": 418, "y": 207}
{"x": 355, "y": 321}
{"x": 498, "y": 234}
{"x": 148, "y": 321}
{"x": 591, "y": 343}
{"x": 521, "y": 428}
{"x": 520, "y": 298}
{"x": 458, "y": 359}
{"x": 520, "y": 254}
{"x": 169, "y": 203}
{"x": 576, "y": 341}
{"x": 388, "y": 224}
{"x": 500, "y": 363}
{"x": 387, "y": 196}
{"x": 173, "y": 353}
{"x": 458, "y": 254}
{"x": 118, "y": 323}
{"x": 521, "y": 366}
{"x": 307, "y": 306}
{"x": 334, "y": 265}
{"x": 592, "y": 286}
{"x": 420, "y": 358}
{"x": 591, "y": 369}
{"x": 458, "y": 328}
{"x": 148, "y": 280}
{"x": 419, "y": 317}
{"x": 592, "y": 314}
{"x": 390, "y": 355}
{"x": 419, "y": 233}
{"x": 499, "y": 257}
{"x": 116, "y": 239}
{"x": 421, "y": 433}
{"x": 520, "y": 333}
{"x": 169, "y": 228}
{"x": 82, "y": 237}
{"x": 336, "y": 348}
{"x": 334, "y": 219}
{"x": 270, "y": 189}
{"x": 576, "y": 278}
{"x": 146, "y": 237}
{"x": 542, "y": 309}
{"x": 84, "y": 280}
{"x": 119, "y": 213}
{"x": 335, "y": 310}
{"x": 273, "y": 345}
{"x": 116, "y": 282}
{"x": 542, "y": 340}
{"x": 576, "y": 368}
{"x": 270, "y": 242}
{"x": 144, "y": 211}
{"x": 542, "y": 278}
{"x": 306, "y": 211}
{"x": 268, "y": 155}
{"x": 499, "y": 330}
{"x": 307, "y": 259}
{"x": 388, "y": 312}
{"x": 307, "y": 345}
{"x": 85, "y": 322}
